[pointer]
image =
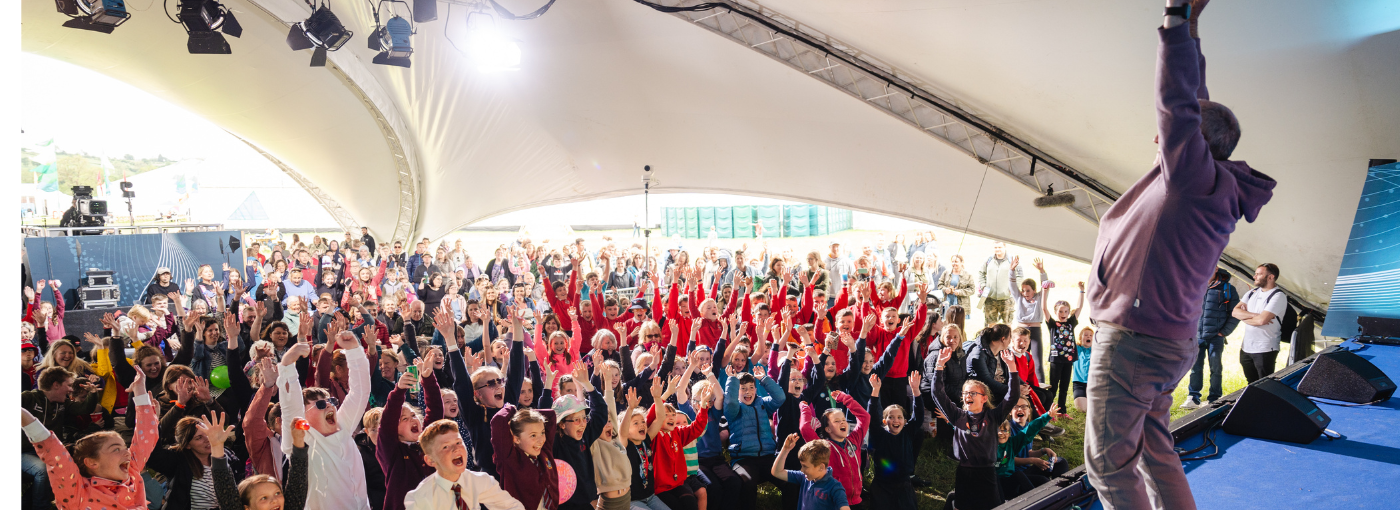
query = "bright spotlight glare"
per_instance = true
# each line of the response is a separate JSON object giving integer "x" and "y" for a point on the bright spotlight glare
{"x": 492, "y": 51}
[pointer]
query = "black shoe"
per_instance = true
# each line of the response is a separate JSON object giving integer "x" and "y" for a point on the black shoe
{"x": 919, "y": 482}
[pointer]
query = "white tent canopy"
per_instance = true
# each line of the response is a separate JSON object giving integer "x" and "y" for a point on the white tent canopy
{"x": 607, "y": 86}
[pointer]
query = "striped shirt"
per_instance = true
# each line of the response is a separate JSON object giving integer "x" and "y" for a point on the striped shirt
{"x": 692, "y": 458}
{"x": 202, "y": 495}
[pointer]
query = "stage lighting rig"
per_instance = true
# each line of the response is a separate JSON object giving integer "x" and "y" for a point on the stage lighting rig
{"x": 488, "y": 47}
{"x": 323, "y": 31}
{"x": 393, "y": 41}
{"x": 203, "y": 20}
{"x": 95, "y": 15}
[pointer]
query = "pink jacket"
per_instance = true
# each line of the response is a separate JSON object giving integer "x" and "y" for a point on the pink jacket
{"x": 845, "y": 457}
{"x": 556, "y": 362}
{"x": 72, "y": 491}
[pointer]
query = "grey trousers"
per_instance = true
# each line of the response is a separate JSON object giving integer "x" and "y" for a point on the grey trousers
{"x": 1128, "y": 450}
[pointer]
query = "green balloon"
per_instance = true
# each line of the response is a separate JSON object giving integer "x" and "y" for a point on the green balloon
{"x": 219, "y": 377}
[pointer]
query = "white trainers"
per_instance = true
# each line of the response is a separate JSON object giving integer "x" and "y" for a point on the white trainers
{"x": 1190, "y": 403}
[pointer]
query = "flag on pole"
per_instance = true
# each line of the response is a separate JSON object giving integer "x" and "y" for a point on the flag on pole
{"x": 46, "y": 174}
{"x": 107, "y": 169}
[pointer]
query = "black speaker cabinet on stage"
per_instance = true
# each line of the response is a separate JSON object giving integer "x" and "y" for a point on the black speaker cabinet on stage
{"x": 1342, "y": 375}
{"x": 1268, "y": 409}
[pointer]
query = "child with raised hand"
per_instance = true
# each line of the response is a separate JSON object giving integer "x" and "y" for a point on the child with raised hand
{"x": 452, "y": 486}
{"x": 523, "y": 442}
{"x": 710, "y": 447}
{"x": 820, "y": 490}
{"x": 98, "y": 459}
{"x": 640, "y": 455}
{"x": 975, "y": 441}
{"x": 1038, "y": 464}
{"x": 1013, "y": 448}
{"x": 578, "y": 429}
{"x": 670, "y": 440}
{"x": 1063, "y": 354}
{"x": 1083, "y": 349}
{"x": 612, "y": 465}
{"x": 892, "y": 448}
{"x": 400, "y": 424}
{"x": 337, "y": 476}
{"x": 257, "y": 492}
{"x": 751, "y": 439}
{"x": 844, "y": 438}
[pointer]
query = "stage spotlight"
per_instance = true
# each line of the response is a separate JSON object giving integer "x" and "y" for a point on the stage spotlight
{"x": 203, "y": 19}
{"x": 426, "y": 10}
{"x": 393, "y": 41}
{"x": 491, "y": 50}
{"x": 95, "y": 15}
{"x": 322, "y": 31}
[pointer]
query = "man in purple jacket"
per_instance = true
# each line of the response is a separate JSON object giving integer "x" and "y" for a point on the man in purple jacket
{"x": 1157, "y": 248}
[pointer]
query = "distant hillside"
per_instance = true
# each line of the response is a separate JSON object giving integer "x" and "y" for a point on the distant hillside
{"x": 86, "y": 170}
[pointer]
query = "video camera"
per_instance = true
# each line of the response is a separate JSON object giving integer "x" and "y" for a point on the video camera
{"x": 91, "y": 212}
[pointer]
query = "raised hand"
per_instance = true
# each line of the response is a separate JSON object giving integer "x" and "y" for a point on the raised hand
{"x": 1015, "y": 261}
{"x": 632, "y": 398}
{"x": 906, "y": 326}
{"x": 875, "y": 384}
{"x": 269, "y": 372}
{"x": 656, "y": 390}
{"x": 1009, "y": 359}
{"x": 218, "y": 433}
{"x": 1081, "y": 286}
{"x": 296, "y": 351}
{"x": 790, "y": 442}
{"x": 1038, "y": 264}
{"x": 944, "y": 355}
{"x": 914, "y": 381}
{"x": 408, "y": 380}
{"x": 183, "y": 389}
{"x": 201, "y": 389}
{"x": 109, "y": 322}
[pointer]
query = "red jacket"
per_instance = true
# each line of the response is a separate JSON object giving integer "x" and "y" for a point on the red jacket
{"x": 669, "y": 461}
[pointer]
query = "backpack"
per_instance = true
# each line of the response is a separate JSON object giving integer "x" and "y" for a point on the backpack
{"x": 1289, "y": 322}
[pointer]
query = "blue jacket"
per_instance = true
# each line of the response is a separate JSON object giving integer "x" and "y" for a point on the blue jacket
{"x": 1216, "y": 318}
{"x": 750, "y": 429}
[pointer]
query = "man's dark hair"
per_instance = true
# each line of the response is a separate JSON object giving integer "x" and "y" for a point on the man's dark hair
{"x": 1220, "y": 128}
{"x": 1271, "y": 268}
{"x": 53, "y": 375}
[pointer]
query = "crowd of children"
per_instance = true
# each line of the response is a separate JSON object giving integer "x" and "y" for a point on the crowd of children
{"x": 259, "y": 397}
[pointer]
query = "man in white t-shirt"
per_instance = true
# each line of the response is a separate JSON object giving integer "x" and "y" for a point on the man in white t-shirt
{"x": 1261, "y": 312}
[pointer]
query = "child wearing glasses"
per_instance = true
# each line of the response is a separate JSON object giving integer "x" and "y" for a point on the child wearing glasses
{"x": 337, "y": 474}
{"x": 975, "y": 440}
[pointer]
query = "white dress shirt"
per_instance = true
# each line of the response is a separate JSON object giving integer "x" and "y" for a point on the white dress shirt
{"x": 336, "y": 474}
{"x": 435, "y": 493}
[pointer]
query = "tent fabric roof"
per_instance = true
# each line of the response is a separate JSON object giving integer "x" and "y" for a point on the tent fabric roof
{"x": 608, "y": 86}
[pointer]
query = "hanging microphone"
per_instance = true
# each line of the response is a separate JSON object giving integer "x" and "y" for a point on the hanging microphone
{"x": 1051, "y": 199}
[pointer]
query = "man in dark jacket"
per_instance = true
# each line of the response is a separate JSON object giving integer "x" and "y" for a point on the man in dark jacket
{"x": 367, "y": 239}
{"x": 1216, "y": 324}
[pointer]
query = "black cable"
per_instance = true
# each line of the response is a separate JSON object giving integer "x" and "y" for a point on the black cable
{"x": 694, "y": 8}
{"x": 505, "y": 13}
{"x": 166, "y": 7}
{"x": 1210, "y": 437}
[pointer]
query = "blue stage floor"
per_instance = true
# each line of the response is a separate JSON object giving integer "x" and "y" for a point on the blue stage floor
{"x": 1360, "y": 470}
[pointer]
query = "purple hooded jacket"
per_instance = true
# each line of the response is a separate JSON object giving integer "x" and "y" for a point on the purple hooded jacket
{"x": 1159, "y": 243}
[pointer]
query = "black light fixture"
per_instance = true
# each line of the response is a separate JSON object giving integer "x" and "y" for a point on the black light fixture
{"x": 94, "y": 15}
{"x": 203, "y": 20}
{"x": 323, "y": 31}
{"x": 393, "y": 41}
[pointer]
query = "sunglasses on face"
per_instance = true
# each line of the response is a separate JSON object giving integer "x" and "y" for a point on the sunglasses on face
{"x": 654, "y": 335}
{"x": 327, "y": 402}
{"x": 490, "y": 384}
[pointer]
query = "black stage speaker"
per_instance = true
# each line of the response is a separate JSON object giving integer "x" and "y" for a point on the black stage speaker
{"x": 1342, "y": 375}
{"x": 1269, "y": 409}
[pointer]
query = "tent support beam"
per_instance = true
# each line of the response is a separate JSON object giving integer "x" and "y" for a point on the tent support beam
{"x": 869, "y": 79}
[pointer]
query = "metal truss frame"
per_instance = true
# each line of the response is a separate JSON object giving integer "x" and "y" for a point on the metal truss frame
{"x": 905, "y": 97}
